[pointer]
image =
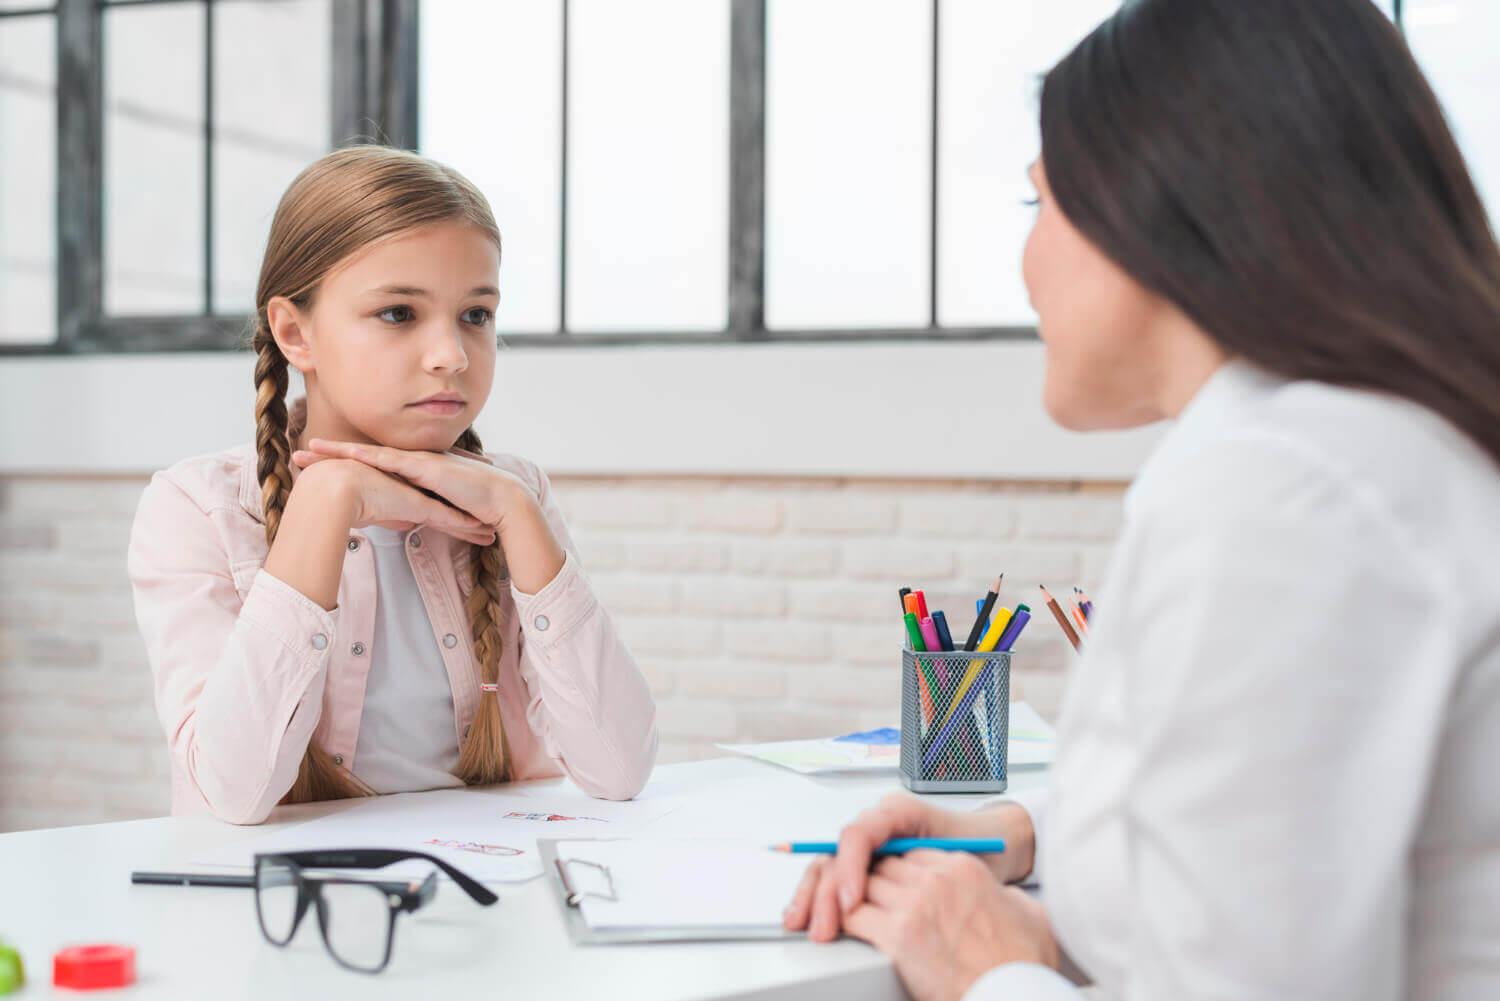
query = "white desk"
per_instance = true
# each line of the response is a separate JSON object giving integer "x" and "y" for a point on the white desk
{"x": 69, "y": 885}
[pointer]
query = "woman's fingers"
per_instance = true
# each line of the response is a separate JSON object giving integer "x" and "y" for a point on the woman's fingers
{"x": 895, "y": 868}
{"x": 857, "y": 844}
{"x": 896, "y": 816}
{"x": 800, "y": 909}
{"x": 884, "y": 892}
{"x": 871, "y": 923}
{"x": 824, "y": 926}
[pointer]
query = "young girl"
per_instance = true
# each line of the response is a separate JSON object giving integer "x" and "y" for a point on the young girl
{"x": 364, "y": 601}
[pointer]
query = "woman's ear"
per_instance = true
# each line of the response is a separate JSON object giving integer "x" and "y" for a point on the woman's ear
{"x": 289, "y": 328}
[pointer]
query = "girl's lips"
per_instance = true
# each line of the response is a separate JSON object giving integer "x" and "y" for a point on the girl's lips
{"x": 442, "y": 408}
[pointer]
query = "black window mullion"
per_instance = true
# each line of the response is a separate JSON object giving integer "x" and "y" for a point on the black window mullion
{"x": 562, "y": 201}
{"x": 396, "y": 72}
{"x": 932, "y": 206}
{"x": 208, "y": 157}
{"x": 747, "y": 170}
{"x": 80, "y": 140}
{"x": 348, "y": 100}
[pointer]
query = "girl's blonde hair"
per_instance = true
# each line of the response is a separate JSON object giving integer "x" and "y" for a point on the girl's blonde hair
{"x": 341, "y": 204}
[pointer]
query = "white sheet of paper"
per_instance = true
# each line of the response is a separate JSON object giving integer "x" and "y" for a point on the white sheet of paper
{"x": 1031, "y": 743}
{"x": 684, "y": 884}
{"x": 488, "y": 835}
{"x": 1032, "y": 739}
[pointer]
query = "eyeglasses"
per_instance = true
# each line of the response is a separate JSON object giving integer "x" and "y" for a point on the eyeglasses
{"x": 356, "y": 916}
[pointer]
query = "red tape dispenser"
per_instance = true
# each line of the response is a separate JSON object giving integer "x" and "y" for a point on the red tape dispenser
{"x": 91, "y": 967}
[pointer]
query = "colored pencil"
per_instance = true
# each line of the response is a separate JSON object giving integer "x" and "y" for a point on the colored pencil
{"x": 900, "y": 846}
{"x": 977, "y": 633}
{"x": 1062, "y": 620}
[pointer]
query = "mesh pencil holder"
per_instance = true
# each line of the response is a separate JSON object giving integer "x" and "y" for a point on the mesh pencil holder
{"x": 955, "y": 721}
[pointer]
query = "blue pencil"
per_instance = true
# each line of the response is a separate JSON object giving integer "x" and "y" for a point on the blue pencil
{"x": 900, "y": 846}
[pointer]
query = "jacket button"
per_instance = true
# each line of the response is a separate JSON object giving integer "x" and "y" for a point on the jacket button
{"x": 338, "y": 759}
{"x": 357, "y": 649}
{"x": 450, "y": 641}
{"x": 319, "y": 641}
{"x": 542, "y": 622}
{"x": 354, "y": 545}
{"x": 416, "y": 542}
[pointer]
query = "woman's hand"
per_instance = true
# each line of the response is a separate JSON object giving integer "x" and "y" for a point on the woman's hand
{"x": 467, "y": 482}
{"x": 944, "y": 920}
{"x": 833, "y": 888}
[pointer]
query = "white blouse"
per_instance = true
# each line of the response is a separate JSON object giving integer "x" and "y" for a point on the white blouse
{"x": 1276, "y": 775}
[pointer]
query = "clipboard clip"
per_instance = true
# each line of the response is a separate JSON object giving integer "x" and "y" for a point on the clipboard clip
{"x": 575, "y": 897}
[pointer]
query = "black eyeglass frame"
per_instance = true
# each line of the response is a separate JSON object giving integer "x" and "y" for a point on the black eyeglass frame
{"x": 401, "y": 895}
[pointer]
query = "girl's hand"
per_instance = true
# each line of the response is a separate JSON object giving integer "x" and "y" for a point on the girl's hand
{"x": 944, "y": 920}
{"x": 376, "y": 498}
{"x": 832, "y": 888}
{"x": 502, "y": 503}
{"x": 468, "y": 483}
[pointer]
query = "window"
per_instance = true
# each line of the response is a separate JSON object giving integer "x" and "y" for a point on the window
{"x": 1454, "y": 41}
{"x": 749, "y": 169}
{"x": 161, "y": 157}
{"x": 28, "y": 187}
{"x": 662, "y": 170}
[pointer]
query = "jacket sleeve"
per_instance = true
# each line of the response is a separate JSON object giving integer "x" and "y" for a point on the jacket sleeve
{"x": 589, "y": 702}
{"x": 239, "y": 684}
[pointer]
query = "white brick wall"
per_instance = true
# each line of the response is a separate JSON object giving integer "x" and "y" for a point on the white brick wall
{"x": 760, "y": 609}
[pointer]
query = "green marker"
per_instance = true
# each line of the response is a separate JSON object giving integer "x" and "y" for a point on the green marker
{"x": 914, "y": 633}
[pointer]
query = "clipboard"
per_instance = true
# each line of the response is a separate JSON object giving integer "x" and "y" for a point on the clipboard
{"x": 567, "y": 890}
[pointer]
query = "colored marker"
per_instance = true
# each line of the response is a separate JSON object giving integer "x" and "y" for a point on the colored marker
{"x": 930, "y": 638}
{"x": 945, "y": 638}
{"x": 1017, "y": 623}
{"x": 926, "y": 683}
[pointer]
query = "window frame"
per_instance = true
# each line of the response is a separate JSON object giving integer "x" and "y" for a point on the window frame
{"x": 374, "y": 92}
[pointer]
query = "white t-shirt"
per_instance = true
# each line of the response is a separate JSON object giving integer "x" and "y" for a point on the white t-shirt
{"x": 406, "y": 735}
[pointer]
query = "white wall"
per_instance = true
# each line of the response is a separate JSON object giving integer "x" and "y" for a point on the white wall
{"x": 907, "y": 410}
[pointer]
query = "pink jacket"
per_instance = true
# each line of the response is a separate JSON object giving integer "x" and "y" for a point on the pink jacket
{"x": 248, "y": 669}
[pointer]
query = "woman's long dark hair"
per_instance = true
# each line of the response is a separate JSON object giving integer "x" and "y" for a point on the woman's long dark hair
{"x": 1281, "y": 171}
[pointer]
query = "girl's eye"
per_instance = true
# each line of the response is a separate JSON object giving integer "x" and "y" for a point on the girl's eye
{"x": 396, "y": 314}
{"x": 478, "y": 316}
{"x": 1032, "y": 202}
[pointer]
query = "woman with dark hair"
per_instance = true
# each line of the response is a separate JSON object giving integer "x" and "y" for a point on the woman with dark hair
{"x": 1276, "y": 757}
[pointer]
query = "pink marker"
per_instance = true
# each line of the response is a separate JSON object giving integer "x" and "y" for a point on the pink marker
{"x": 930, "y": 637}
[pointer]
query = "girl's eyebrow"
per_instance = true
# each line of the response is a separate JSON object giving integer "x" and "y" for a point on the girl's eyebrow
{"x": 408, "y": 290}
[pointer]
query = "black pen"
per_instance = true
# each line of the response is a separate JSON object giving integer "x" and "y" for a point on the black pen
{"x": 192, "y": 879}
